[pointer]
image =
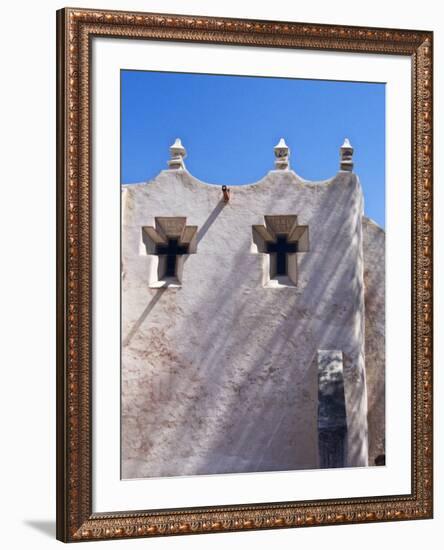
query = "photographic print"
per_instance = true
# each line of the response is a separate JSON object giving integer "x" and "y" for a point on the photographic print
{"x": 253, "y": 274}
{"x": 244, "y": 274}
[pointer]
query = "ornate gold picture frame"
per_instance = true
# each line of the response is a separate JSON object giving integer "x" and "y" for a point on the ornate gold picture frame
{"x": 76, "y": 520}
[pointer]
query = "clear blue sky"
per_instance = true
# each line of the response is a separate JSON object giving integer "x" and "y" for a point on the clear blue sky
{"x": 230, "y": 124}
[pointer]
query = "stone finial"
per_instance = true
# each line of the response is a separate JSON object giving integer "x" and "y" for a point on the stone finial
{"x": 178, "y": 153}
{"x": 282, "y": 155}
{"x": 346, "y": 153}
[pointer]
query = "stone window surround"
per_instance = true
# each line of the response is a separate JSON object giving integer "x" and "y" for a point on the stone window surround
{"x": 277, "y": 225}
{"x": 174, "y": 227}
{"x": 167, "y": 227}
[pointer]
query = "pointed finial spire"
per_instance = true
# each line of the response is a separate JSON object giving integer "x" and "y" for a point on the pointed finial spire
{"x": 178, "y": 153}
{"x": 282, "y": 155}
{"x": 346, "y": 153}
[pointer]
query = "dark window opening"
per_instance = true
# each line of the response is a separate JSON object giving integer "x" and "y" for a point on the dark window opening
{"x": 171, "y": 250}
{"x": 333, "y": 448}
{"x": 281, "y": 248}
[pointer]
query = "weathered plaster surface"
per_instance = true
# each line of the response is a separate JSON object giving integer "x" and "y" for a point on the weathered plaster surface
{"x": 374, "y": 281}
{"x": 220, "y": 374}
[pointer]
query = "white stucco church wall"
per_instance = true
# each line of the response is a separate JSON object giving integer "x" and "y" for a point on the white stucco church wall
{"x": 229, "y": 364}
{"x": 374, "y": 285}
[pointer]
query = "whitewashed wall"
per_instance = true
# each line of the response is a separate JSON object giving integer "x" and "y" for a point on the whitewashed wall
{"x": 220, "y": 374}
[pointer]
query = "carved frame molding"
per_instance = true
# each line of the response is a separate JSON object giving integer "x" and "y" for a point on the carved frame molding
{"x": 75, "y": 30}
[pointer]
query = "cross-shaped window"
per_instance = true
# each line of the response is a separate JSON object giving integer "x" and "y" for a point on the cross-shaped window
{"x": 279, "y": 240}
{"x": 171, "y": 240}
{"x": 171, "y": 250}
{"x": 281, "y": 248}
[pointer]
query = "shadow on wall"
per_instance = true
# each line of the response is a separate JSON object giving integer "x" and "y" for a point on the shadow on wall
{"x": 374, "y": 263}
{"x": 154, "y": 300}
{"x": 202, "y": 231}
{"x": 188, "y": 427}
{"x": 150, "y": 306}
